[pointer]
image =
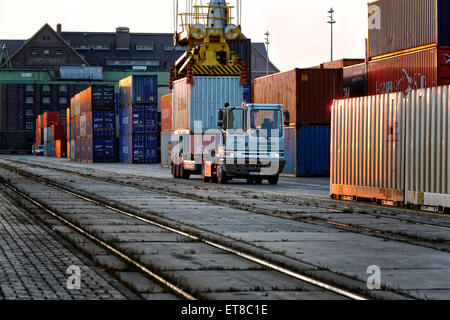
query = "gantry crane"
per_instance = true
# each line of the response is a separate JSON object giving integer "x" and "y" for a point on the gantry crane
{"x": 204, "y": 30}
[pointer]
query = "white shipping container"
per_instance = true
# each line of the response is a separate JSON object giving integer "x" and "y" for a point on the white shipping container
{"x": 392, "y": 148}
{"x": 202, "y": 100}
{"x": 166, "y": 148}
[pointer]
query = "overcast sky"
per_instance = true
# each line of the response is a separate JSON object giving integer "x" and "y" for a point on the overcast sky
{"x": 299, "y": 34}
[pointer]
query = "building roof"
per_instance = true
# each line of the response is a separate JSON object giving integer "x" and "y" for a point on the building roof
{"x": 12, "y": 45}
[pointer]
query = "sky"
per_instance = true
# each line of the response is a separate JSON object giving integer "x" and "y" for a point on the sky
{"x": 299, "y": 32}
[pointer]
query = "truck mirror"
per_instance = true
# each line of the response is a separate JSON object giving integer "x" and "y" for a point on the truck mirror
{"x": 287, "y": 118}
{"x": 220, "y": 115}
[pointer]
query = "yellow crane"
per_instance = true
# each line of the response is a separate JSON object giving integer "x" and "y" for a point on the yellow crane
{"x": 204, "y": 30}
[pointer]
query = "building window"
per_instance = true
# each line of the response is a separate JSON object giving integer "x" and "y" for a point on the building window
{"x": 34, "y": 51}
{"x": 58, "y": 52}
{"x": 81, "y": 46}
{"x": 29, "y": 100}
{"x": 29, "y": 125}
{"x": 168, "y": 47}
{"x": 46, "y": 88}
{"x": 152, "y": 63}
{"x": 145, "y": 47}
{"x": 103, "y": 46}
{"x": 46, "y": 51}
{"x": 46, "y": 100}
{"x": 29, "y": 113}
{"x": 63, "y": 88}
{"x": 29, "y": 88}
{"x": 63, "y": 114}
{"x": 62, "y": 100}
{"x": 45, "y": 110}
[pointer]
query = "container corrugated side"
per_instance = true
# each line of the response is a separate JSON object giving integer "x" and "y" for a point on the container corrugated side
{"x": 367, "y": 147}
{"x": 201, "y": 101}
{"x": 166, "y": 113}
{"x": 307, "y": 94}
{"x": 141, "y": 149}
{"x": 166, "y": 148}
{"x": 313, "y": 151}
{"x": 356, "y": 81}
{"x": 290, "y": 151}
{"x": 427, "y": 171}
{"x": 138, "y": 89}
{"x": 404, "y": 24}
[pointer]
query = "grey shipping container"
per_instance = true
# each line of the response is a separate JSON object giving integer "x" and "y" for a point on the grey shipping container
{"x": 355, "y": 81}
{"x": 81, "y": 73}
{"x": 166, "y": 148}
{"x": 201, "y": 101}
{"x": 393, "y": 148}
{"x": 398, "y": 25}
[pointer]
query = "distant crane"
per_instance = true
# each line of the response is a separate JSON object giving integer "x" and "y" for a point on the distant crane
{"x": 4, "y": 55}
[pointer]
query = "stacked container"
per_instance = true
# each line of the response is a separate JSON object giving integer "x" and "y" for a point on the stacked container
{"x": 49, "y": 121}
{"x": 408, "y": 45}
{"x": 307, "y": 94}
{"x": 94, "y": 123}
{"x": 166, "y": 129}
{"x": 138, "y": 119}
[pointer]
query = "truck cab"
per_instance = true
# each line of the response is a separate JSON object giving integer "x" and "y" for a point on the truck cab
{"x": 248, "y": 143}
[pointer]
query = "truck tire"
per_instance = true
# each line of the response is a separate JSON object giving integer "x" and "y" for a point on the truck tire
{"x": 221, "y": 176}
{"x": 183, "y": 173}
{"x": 204, "y": 178}
{"x": 258, "y": 180}
{"x": 250, "y": 181}
{"x": 274, "y": 180}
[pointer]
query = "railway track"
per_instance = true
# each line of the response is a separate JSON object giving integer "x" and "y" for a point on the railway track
{"x": 306, "y": 209}
{"x": 283, "y": 276}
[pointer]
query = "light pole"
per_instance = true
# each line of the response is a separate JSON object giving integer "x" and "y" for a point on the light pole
{"x": 331, "y": 22}
{"x": 267, "y": 49}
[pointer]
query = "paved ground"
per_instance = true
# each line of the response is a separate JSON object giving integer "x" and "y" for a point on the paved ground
{"x": 317, "y": 187}
{"x": 34, "y": 263}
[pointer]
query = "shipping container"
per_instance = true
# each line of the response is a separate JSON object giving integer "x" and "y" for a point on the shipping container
{"x": 201, "y": 101}
{"x": 339, "y": 64}
{"x": 60, "y": 149}
{"x": 399, "y": 25}
{"x": 77, "y": 127}
{"x": 166, "y": 113}
{"x": 83, "y": 125}
{"x": 307, "y": 151}
{"x": 162, "y": 91}
{"x": 141, "y": 149}
{"x": 49, "y": 150}
{"x": 75, "y": 105}
{"x": 51, "y": 118}
{"x": 58, "y": 133}
{"x": 104, "y": 124}
{"x": 73, "y": 150}
{"x": 166, "y": 148}
{"x": 69, "y": 149}
{"x": 81, "y": 73}
{"x": 416, "y": 70}
{"x": 138, "y": 89}
{"x": 307, "y": 94}
{"x": 356, "y": 81}
{"x": 138, "y": 120}
{"x": 96, "y": 98}
{"x": 98, "y": 149}
{"x": 393, "y": 148}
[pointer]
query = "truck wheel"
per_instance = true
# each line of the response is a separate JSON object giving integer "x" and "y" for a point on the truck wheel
{"x": 183, "y": 173}
{"x": 204, "y": 178}
{"x": 274, "y": 180}
{"x": 250, "y": 181}
{"x": 221, "y": 175}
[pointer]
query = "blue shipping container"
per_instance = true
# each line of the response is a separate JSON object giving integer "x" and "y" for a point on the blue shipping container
{"x": 138, "y": 148}
{"x": 247, "y": 94}
{"x": 307, "y": 151}
{"x": 138, "y": 120}
{"x": 104, "y": 124}
{"x": 104, "y": 149}
{"x": 50, "y": 149}
{"x": 138, "y": 89}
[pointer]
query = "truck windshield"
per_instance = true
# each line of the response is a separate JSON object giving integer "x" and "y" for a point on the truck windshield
{"x": 265, "y": 121}
{"x": 236, "y": 119}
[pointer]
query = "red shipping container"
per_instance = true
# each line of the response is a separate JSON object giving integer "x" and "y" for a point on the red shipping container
{"x": 89, "y": 127}
{"x": 307, "y": 94}
{"x": 39, "y": 140}
{"x": 416, "y": 70}
{"x": 51, "y": 118}
{"x": 58, "y": 133}
{"x": 166, "y": 113}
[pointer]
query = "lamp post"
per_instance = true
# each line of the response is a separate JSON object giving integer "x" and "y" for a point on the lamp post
{"x": 331, "y": 22}
{"x": 267, "y": 49}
